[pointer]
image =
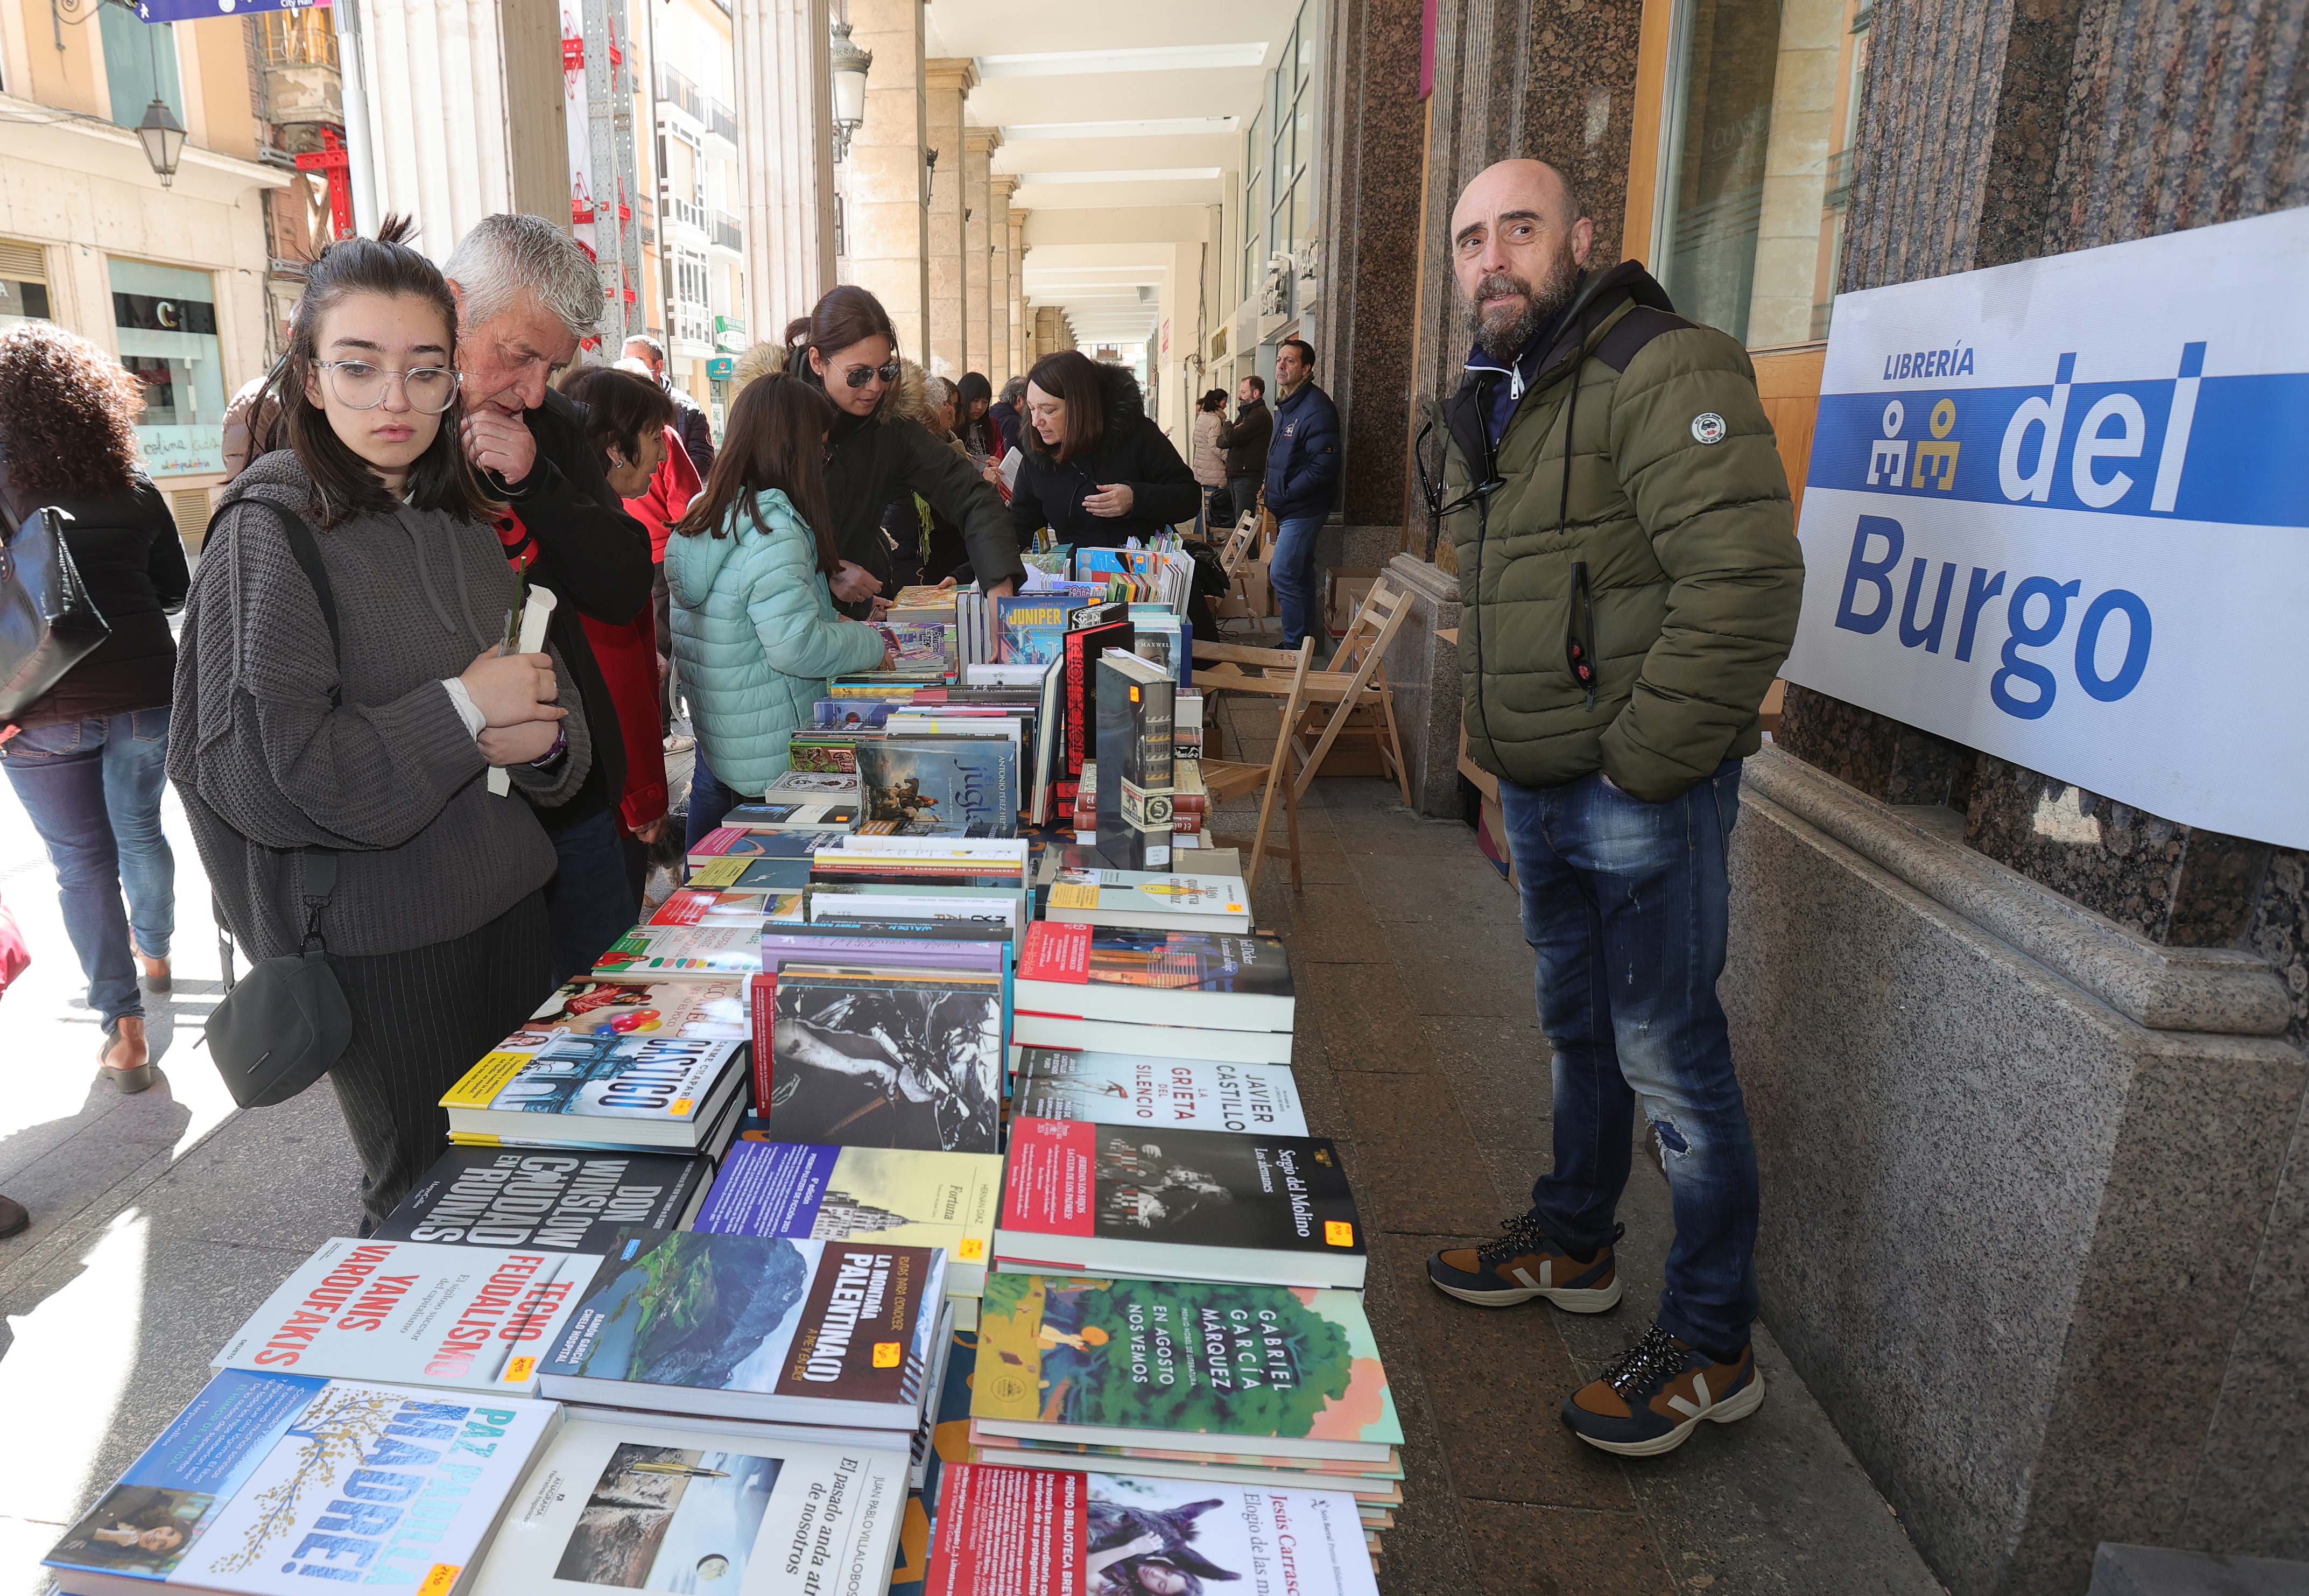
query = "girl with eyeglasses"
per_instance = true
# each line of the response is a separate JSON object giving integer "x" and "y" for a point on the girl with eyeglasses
{"x": 373, "y": 743}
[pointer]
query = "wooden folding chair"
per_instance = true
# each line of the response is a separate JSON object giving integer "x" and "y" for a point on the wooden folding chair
{"x": 1355, "y": 684}
{"x": 1280, "y": 673}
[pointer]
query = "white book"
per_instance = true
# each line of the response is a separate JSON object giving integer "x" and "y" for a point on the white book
{"x": 1150, "y": 900}
{"x": 1160, "y": 1094}
{"x": 415, "y": 1313}
{"x": 1164, "y": 1041}
{"x": 994, "y": 849}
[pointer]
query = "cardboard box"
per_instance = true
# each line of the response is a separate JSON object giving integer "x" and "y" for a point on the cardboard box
{"x": 1347, "y": 591}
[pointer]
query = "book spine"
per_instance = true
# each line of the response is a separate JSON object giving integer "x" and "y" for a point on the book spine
{"x": 762, "y": 995}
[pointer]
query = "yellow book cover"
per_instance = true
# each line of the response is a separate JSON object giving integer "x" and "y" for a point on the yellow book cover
{"x": 899, "y": 1197}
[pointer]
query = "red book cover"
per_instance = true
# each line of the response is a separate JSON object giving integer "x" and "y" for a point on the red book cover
{"x": 1009, "y": 1533}
{"x": 1050, "y": 1186}
{"x": 762, "y": 993}
{"x": 1056, "y": 952}
{"x": 1079, "y": 696}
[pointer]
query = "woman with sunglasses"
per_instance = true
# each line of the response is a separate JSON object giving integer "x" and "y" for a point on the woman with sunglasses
{"x": 370, "y": 738}
{"x": 847, "y": 346}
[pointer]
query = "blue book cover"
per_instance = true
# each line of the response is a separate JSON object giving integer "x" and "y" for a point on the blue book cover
{"x": 855, "y": 714}
{"x": 1033, "y": 626}
{"x": 954, "y": 781}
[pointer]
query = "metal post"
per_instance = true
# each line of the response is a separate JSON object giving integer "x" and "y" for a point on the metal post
{"x": 353, "y": 89}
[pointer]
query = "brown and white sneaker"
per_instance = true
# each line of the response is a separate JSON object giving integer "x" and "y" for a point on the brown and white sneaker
{"x": 1523, "y": 1263}
{"x": 1654, "y": 1395}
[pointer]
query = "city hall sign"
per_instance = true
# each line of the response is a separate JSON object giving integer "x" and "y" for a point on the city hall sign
{"x": 2060, "y": 511}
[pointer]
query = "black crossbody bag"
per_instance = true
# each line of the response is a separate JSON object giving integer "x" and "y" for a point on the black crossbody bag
{"x": 280, "y": 1026}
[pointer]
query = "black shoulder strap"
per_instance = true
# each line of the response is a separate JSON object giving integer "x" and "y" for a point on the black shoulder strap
{"x": 1630, "y": 334}
{"x": 305, "y": 548}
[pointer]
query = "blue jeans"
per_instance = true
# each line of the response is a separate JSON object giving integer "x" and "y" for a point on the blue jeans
{"x": 1627, "y": 905}
{"x": 590, "y": 903}
{"x": 94, "y": 790}
{"x": 709, "y": 801}
{"x": 1292, "y": 574}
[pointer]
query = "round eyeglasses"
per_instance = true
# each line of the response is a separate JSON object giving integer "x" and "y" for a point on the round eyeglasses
{"x": 359, "y": 386}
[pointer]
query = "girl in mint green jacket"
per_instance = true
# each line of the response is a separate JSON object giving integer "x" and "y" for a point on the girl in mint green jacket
{"x": 754, "y": 624}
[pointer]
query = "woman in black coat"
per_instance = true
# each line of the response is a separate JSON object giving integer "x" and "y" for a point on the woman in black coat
{"x": 1097, "y": 470}
{"x": 89, "y": 760}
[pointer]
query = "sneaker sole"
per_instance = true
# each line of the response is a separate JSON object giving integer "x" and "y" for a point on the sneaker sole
{"x": 1601, "y": 1300}
{"x": 1730, "y": 1411}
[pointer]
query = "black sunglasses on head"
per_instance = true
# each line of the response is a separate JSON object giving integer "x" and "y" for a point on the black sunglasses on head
{"x": 858, "y": 376}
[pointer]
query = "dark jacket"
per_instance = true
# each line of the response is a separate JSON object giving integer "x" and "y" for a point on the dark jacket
{"x": 1132, "y": 450}
{"x": 1303, "y": 463}
{"x": 697, "y": 430}
{"x": 1245, "y": 439}
{"x": 1005, "y": 419}
{"x": 125, "y": 547}
{"x": 1672, "y": 566}
{"x": 582, "y": 544}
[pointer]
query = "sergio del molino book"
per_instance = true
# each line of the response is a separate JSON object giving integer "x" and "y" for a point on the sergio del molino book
{"x": 764, "y": 1328}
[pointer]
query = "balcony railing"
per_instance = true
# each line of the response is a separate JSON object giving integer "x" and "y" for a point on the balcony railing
{"x": 674, "y": 208}
{"x": 722, "y": 122}
{"x": 294, "y": 38}
{"x": 677, "y": 90}
{"x": 723, "y": 229}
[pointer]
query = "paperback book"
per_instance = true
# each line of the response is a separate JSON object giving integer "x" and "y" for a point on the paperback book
{"x": 807, "y": 816}
{"x": 469, "y": 1318}
{"x": 887, "y": 1058}
{"x": 1156, "y": 1094}
{"x": 811, "y": 786}
{"x": 1091, "y": 630}
{"x": 1153, "y": 978}
{"x": 640, "y": 1091}
{"x": 970, "y": 782}
{"x": 733, "y": 842}
{"x": 683, "y": 953}
{"x": 251, "y": 1490}
{"x": 924, "y": 647}
{"x": 1150, "y": 901}
{"x": 709, "y": 1011}
{"x": 764, "y": 1328}
{"x": 1134, "y": 762}
{"x": 554, "y": 1202}
{"x": 709, "y": 905}
{"x": 840, "y": 1193}
{"x": 1212, "y": 1205}
{"x": 1032, "y": 626}
{"x": 779, "y": 880}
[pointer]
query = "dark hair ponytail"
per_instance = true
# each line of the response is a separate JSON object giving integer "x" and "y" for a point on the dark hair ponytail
{"x": 441, "y": 478}
{"x": 846, "y": 315}
{"x": 775, "y": 438}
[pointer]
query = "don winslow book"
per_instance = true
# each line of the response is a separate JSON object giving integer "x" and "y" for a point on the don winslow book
{"x": 571, "y": 1201}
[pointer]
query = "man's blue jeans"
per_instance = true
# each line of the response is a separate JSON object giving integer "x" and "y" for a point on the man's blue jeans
{"x": 93, "y": 788}
{"x": 1627, "y": 905}
{"x": 1291, "y": 571}
{"x": 589, "y": 902}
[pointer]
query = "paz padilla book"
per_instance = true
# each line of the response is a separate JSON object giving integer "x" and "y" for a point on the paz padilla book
{"x": 675, "y": 1503}
{"x": 471, "y": 1318}
{"x": 1153, "y": 978}
{"x": 1157, "y": 1094}
{"x": 1136, "y": 899}
{"x": 271, "y": 1483}
{"x": 843, "y": 1194}
{"x": 1267, "y": 1370}
{"x": 1134, "y": 762}
{"x": 682, "y": 952}
{"x": 967, "y": 781}
{"x": 647, "y": 1091}
{"x": 1211, "y": 1205}
{"x": 755, "y": 1327}
{"x": 558, "y": 1202}
{"x": 873, "y": 1058}
{"x": 1057, "y": 1532}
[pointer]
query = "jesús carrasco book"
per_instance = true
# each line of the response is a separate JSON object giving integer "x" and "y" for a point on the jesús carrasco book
{"x": 677, "y": 1503}
{"x": 571, "y": 1201}
{"x": 1142, "y": 901}
{"x": 270, "y": 1483}
{"x": 1154, "y": 978}
{"x": 682, "y": 953}
{"x": 469, "y": 1318}
{"x": 868, "y": 1057}
{"x": 764, "y": 1328}
{"x": 970, "y": 782}
{"x": 1156, "y": 1094}
{"x": 845, "y": 1193}
{"x": 640, "y": 1090}
{"x": 709, "y": 1010}
{"x": 1267, "y": 1370}
{"x": 1058, "y": 1532}
{"x": 1206, "y": 1205}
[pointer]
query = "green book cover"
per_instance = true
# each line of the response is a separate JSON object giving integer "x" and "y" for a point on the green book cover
{"x": 1182, "y": 1355}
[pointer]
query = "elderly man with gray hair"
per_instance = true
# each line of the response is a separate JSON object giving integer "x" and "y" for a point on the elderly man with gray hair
{"x": 526, "y": 295}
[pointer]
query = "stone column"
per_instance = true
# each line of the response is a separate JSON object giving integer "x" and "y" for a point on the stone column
{"x": 888, "y": 231}
{"x": 1022, "y": 319}
{"x": 978, "y": 145}
{"x": 1001, "y": 290}
{"x": 785, "y": 157}
{"x": 944, "y": 82}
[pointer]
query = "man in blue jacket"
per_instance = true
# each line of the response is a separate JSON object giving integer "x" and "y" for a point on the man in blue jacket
{"x": 1302, "y": 479}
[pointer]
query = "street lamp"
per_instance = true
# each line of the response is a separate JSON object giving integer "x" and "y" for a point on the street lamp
{"x": 850, "y": 65}
{"x": 163, "y": 138}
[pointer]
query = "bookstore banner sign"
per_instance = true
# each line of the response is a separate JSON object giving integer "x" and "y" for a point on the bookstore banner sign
{"x": 2059, "y": 511}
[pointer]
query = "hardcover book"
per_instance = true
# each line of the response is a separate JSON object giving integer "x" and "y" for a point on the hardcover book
{"x": 1154, "y": 978}
{"x": 1134, "y": 762}
{"x": 267, "y": 1484}
{"x": 1091, "y": 630}
{"x": 755, "y": 1327}
{"x": 1033, "y": 626}
{"x": 673, "y": 1504}
{"x": 904, "y": 1059}
{"x": 468, "y": 1318}
{"x": 1218, "y": 1366}
{"x": 1053, "y": 1532}
{"x": 1150, "y": 900}
{"x": 637, "y": 1090}
{"x": 840, "y": 1193}
{"x": 970, "y": 782}
{"x": 1157, "y": 1094}
{"x": 553, "y": 1202}
{"x": 1218, "y": 1205}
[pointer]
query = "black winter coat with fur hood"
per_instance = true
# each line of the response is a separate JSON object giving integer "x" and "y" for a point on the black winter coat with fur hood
{"x": 1131, "y": 450}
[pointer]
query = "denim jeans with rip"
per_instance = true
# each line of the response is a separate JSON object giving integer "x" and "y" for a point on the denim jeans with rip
{"x": 1627, "y": 905}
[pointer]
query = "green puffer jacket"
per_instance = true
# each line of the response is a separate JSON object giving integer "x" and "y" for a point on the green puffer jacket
{"x": 755, "y": 631}
{"x": 1671, "y": 572}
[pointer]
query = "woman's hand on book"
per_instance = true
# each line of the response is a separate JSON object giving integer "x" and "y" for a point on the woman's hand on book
{"x": 513, "y": 689}
{"x": 518, "y": 745}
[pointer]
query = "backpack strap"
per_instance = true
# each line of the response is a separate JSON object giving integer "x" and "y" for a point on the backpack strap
{"x": 305, "y": 548}
{"x": 1628, "y": 334}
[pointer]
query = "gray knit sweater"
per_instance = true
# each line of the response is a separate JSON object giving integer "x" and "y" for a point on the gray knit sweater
{"x": 389, "y": 778}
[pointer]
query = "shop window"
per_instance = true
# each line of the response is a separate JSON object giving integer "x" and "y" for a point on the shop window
{"x": 140, "y": 62}
{"x": 165, "y": 318}
{"x": 1763, "y": 104}
{"x": 23, "y": 283}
